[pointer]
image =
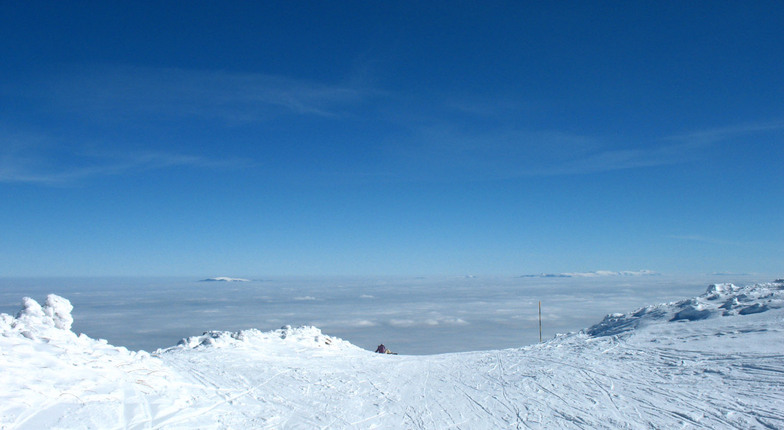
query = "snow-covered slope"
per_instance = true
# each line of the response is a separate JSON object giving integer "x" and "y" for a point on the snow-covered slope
{"x": 715, "y": 361}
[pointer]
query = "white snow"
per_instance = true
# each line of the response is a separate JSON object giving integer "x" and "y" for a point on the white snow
{"x": 714, "y": 361}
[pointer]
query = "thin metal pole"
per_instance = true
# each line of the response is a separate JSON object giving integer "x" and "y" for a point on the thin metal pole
{"x": 540, "y": 321}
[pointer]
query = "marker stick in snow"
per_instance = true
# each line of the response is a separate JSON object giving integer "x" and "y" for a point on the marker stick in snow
{"x": 540, "y": 321}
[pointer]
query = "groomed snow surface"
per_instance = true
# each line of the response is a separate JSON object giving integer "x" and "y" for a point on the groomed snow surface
{"x": 715, "y": 361}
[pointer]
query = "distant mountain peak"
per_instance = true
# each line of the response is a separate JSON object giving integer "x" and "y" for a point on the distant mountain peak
{"x": 225, "y": 279}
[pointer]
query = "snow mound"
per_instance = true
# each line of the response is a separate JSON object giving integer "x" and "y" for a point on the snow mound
{"x": 51, "y": 325}
{"x": 52, "y": 321}
{"x": 53, "y": 378}
{"x": 720, "y": 300}
{"x": 286, "y": 336}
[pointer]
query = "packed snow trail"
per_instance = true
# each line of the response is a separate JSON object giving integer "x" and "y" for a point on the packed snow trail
{"x": 716, "y": 361}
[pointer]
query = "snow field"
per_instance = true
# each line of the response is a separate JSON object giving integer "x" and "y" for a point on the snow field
{"x": 715, "y": 361}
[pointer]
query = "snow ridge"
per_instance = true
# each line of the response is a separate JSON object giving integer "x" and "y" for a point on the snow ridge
{"x": 718, "y": 300}
{"x": 304, "y": 336}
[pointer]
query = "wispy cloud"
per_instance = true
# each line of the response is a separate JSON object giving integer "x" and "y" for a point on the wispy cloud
{"x": 30, "y": 159}
{"x": 445, "y": 150}
{"x": 507, "y": 153}
{"x": 705, "y": 239}
{"x": 119, "y": 91}
{"x": 608, "y": 159}
{"x": 137, "y": 95}
{"x": 712, "y": 135}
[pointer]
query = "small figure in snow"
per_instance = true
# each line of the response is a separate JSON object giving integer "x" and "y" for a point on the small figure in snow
{"x": 383, "y": 350}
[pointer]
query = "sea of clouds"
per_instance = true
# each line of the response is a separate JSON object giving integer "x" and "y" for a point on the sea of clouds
{"x": 409, "y": 315}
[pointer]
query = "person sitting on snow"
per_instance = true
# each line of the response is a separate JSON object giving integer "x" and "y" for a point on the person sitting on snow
{"x": 383, "y": 350}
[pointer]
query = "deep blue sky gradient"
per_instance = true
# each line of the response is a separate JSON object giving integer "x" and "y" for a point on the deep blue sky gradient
{"x": 377, "y": 138}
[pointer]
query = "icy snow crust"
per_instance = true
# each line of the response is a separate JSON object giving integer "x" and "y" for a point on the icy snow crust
{"x": 715, "y": 361}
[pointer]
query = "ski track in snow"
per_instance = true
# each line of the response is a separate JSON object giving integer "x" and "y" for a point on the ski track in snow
{"x": 715, "y": 361}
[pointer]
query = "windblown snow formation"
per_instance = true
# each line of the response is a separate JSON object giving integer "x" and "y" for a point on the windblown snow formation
{"x": 719, "y": 300}
{"x": 294, "y": 337}
{"x": 714, "y": 361}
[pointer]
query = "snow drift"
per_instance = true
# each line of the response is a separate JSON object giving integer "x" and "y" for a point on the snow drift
{"x": 719, "y": 300}
{"x": 308, "y": 337}
{"x": 714, "y": 361}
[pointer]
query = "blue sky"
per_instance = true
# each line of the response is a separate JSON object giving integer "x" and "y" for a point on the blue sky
{"x": 390, "y": 138}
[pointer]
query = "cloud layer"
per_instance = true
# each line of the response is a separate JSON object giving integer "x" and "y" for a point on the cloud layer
{"x": 411, "y": 315}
